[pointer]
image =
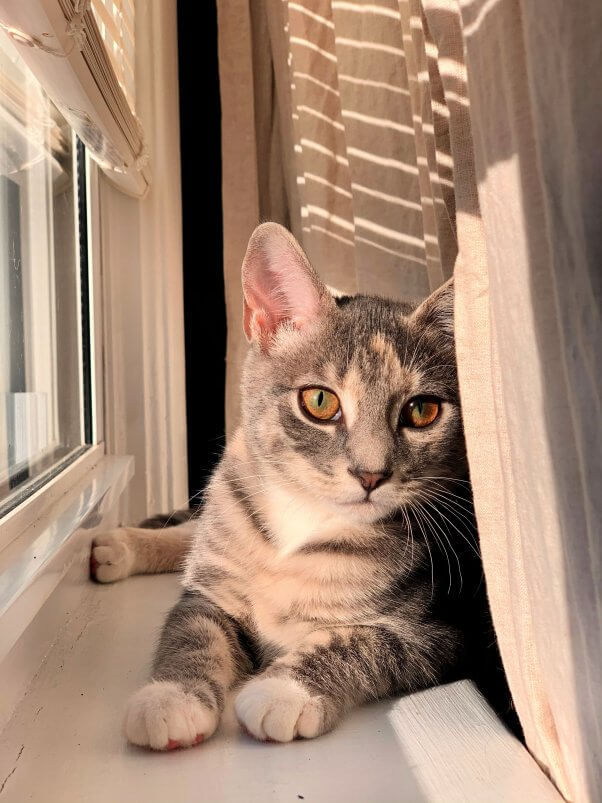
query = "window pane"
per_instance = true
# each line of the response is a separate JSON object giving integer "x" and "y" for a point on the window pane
{"x": 42, "y": 419}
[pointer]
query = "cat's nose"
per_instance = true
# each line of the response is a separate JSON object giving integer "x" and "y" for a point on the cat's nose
{"x": 369, "y": 480}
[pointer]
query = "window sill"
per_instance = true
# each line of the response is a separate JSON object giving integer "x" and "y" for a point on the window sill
{"x": 443, "y": 744}
{"x": 48, "y": 500}
{"x": 54, "y": 548}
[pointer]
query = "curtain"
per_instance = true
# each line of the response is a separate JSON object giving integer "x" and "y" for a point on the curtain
{"x": 401, "y": 142}
{"x": 529, "y": 334}
{"x": 334, "y": 123}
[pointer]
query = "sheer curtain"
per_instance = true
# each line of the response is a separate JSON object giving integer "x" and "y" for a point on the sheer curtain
{"x": 401, "y": 141}
{"x": 335, "y": 124}
{"x": 530, "y": 359}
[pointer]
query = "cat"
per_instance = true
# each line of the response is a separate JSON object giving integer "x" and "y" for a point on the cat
{"x": 334, "y": 560}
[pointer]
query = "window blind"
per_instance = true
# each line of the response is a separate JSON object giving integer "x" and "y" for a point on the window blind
{"x": 115, "y": 20}
{"x": 83, "y": 54}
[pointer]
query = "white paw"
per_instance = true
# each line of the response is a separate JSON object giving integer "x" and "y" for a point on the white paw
{"x": 112, "y": 556}
{"x": 163, "y": 716}
{"x": 278, "y": 709}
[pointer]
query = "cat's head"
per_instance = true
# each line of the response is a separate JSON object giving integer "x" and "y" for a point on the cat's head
{"x": 353, "y": 400}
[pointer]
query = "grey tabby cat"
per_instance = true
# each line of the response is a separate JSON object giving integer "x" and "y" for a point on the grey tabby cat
{"x": 325, "y": 568}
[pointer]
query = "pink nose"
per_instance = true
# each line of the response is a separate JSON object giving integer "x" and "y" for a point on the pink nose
{"x": 369, "y": 480}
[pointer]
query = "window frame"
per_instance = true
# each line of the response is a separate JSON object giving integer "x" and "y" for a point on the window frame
{"x": 135, "y": 261}
{"x": 53, "y": 484}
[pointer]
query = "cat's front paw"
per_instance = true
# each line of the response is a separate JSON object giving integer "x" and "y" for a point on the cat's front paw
{"x": 279, "y": 709}
{"x": 163, "y": 716}
{"x": 112, "y": 556}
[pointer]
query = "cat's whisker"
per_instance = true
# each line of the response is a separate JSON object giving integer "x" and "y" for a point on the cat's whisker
{"x": 458, "y": 502}
{"x": 415, "y": 354}
{"x": 420, "y": 511}
{"x": 461, "y": 519}
{"x": 411, "y": 532}
{"x": 446, "y": 536}
{"x": 449, "y": 539}
{"x": 430, "y": 554}
{"x": 408, "y": 535}
{"x": 455, "y": 509}
{"x": 460, "y": 533}
{"x": 449, "y": 479}
{"x": 463, "y": 501}
{"x": 465, "y": 494}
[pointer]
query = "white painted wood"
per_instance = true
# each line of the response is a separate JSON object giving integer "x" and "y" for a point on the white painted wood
{"x": 95, "y": 299}
{"x": 36, "y": 562}
{"x": 143, "y": 302}
{"x": 41, "y": 506}
{"x": 64, "y": 742}
{"x": 161, "y": 286}
{"x": 45, "y": 573}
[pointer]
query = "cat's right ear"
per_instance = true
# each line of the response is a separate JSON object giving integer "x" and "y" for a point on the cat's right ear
{"x": 438, "y": 309}
{"x": 279, "y": 285}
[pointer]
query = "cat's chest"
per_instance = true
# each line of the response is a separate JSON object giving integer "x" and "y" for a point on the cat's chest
{"x": 289, "y": 594}
{"x": 299, "y": 574}
{"x": 294, "y": 594}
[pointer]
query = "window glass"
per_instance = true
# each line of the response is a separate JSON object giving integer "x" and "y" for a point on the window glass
{"x": 44, "y": 404}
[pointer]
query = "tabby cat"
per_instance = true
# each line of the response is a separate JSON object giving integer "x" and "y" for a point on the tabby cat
{"x": 332, "y": 561}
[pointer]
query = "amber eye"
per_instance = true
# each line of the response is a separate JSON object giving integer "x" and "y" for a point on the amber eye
{"x": 420, "y": 411}
{"x": 320, "y": 403}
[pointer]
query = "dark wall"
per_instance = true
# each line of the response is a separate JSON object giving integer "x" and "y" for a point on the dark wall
{"x": 204, "y": 307}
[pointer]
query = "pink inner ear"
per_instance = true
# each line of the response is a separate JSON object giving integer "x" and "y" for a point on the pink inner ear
{"x": 256, "y": 321}
{"x": 279, "y": 286}
{"x": 287, "y": 289}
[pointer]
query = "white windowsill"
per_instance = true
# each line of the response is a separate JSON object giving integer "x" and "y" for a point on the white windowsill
{"x": 49, "y": 499}
{"x": 64, "y": 741}
{"x": 48, "y": 564}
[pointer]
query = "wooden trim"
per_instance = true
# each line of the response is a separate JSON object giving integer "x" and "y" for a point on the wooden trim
{"x": 143, "y": 317}
{"x": 35, "y": 507}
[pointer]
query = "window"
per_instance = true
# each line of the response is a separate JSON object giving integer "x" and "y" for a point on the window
{"x": 45, "y": 381}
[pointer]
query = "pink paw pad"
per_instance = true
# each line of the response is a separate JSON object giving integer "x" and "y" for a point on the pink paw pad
{"x": 172, "y": 744}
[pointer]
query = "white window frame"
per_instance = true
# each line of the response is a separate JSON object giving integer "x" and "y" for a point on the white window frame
{"x": 30, "y": 512}
{"x": 133, "y": 269}
{"x": 137, "y": 346}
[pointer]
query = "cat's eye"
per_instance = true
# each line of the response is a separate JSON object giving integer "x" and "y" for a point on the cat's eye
{"x": 320, "y": 404}
{"x": 420, "y": 412}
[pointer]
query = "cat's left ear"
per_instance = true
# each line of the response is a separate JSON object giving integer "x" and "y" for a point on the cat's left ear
{"x": 279, "y": 285}
{"x": 438, "y": 309}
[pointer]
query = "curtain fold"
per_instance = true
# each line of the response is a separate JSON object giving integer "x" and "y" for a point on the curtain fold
{"x": 530, "y": 358}
{"x": 329, "y": 129}
{"x": 401, "y": 141}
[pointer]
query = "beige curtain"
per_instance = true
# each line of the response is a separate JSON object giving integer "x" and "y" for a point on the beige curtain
{"x": 401, "y": 141}
{"x": 529, "y": 332}
{"x": 328, "y": 128}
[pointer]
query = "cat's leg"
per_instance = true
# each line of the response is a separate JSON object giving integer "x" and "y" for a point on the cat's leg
{"x": 198, "y": 659}
{"x": 138, "y": 550}
{"x": 305, "y": 692}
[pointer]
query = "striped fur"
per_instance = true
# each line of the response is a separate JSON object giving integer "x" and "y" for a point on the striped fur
{"x": 312, "y": 593}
